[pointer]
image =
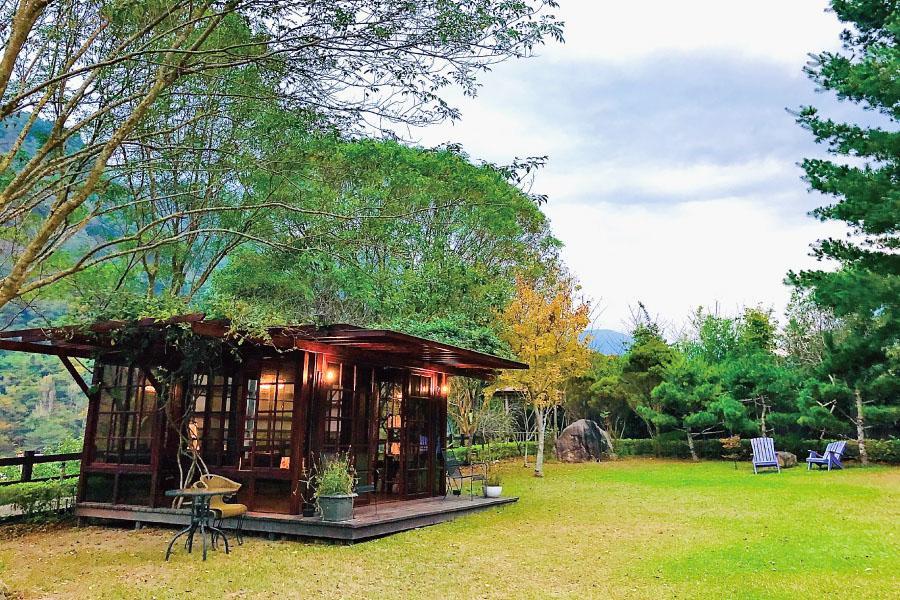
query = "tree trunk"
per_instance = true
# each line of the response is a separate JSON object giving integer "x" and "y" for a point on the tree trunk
{"x": 762, "y": 420}
{"x": 861, "y": 430}
{"x": 539, "y": 457}
{"x": 690, "y": 439}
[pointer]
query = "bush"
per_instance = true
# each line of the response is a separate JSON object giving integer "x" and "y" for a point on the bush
{"x": 38, "y": 497}
{"x": 335, "y": 476}
{"x": 886, "y": 451}
{"x": 502, "y": 450}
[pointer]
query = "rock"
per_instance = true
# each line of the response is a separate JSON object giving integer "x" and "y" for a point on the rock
{"x": 581, "y": 441}
{"x": 786, "y": 460}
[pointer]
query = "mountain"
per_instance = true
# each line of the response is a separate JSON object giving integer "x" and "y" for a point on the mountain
{"x": 607, "y": 341}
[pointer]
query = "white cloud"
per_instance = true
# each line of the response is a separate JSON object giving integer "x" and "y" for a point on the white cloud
{"x": 608, "y": 178}
{"x": 733, "y": 252}
{"x": 783, "y": 31}
{"x": 672, "y": 175}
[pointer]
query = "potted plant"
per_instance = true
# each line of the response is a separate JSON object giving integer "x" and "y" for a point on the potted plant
{"x": 334, "y": 488}
{"x": 493, "y": 486}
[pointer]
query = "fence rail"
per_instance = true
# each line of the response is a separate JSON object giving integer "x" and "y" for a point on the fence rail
{"x": 31, "y": 458}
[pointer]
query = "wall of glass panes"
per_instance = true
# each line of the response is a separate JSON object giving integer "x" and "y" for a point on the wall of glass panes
{"x": 269, "y": 413}
{"x": 213, "y": 421}
{"x": 125, "y": 417}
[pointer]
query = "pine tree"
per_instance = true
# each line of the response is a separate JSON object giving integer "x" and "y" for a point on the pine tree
{"x": 862, "y": 181}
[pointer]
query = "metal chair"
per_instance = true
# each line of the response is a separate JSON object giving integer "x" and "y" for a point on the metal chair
{"x": 225, "y": 510}
{"x": 455, "y": 476}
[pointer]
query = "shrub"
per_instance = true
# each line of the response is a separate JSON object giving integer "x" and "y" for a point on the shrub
{"x": 502, "y": 450}
{"x": 335, "y": 476}
{"x": 38, "y": 497}
{"x": 886, "y": 451}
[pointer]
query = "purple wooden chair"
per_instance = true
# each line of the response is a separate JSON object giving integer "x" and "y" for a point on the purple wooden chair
{"x": 831, "y": 458}
{"x": 764, "y": 454}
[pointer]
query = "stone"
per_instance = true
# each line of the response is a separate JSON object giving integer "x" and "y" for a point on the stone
{"x": 786, "y": 460}
{"x": 581, "y": 441}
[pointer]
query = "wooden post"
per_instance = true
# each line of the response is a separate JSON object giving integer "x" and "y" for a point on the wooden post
{"x": 27, "y": 466}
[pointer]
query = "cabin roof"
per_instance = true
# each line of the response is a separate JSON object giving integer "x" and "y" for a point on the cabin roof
{"x": 384, "y": 346}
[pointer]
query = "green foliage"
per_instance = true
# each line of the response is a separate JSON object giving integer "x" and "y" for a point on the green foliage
{"x": 41, "y": 406}
{"x": 860, "y": 354}
{"x": 500, "y": 451}
{"x": 33, "y": 499}
{"x": 334, "y": 476}
{"x": 886, "y": 451}
{"x": 395, "y": 235}
{"x": 643, "y": 368}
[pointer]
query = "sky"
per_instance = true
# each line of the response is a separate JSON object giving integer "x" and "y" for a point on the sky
{"x": 673, "y": 174}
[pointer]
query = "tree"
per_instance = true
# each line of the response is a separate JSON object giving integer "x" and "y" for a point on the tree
{"x": 100, "y": 78}
{"x": 691, "y": 399}
{"x": 643, "y": 368}
{"x": 544, "y": 326}
{"x": 863, "y": 293}
{"x": 427, "y": 236}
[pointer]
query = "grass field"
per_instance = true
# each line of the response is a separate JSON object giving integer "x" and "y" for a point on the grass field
{"x": 625, "y": 529}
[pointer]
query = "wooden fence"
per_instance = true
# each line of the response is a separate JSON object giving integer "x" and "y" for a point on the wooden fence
{"x": 31, "y": 458}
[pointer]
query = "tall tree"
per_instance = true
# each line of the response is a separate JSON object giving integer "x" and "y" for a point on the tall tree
{"x": 403, "y": 235}
{"x": 99, "y": 71}
{"x": 865, "y": 291}
{"x": 544, "y": 327}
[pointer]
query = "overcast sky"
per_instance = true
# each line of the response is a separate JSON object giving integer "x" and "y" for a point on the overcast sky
{"x": 673, "y": 174}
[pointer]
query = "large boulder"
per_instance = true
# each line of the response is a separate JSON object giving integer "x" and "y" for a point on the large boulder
{"x": 581, "y": 441}
{"x": 786, "y": 460}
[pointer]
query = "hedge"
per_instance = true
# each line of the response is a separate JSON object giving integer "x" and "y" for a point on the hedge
{"x": 34, "y": 498}
{"x": 501, "y": 450}
{"x": 886, "y": 451}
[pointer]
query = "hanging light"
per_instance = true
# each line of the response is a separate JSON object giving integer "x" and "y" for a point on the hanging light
{"x": 330, "y": 375}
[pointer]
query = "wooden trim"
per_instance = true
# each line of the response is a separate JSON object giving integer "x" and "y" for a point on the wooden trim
{"x": 75, "y": 375}
{"x": 75, "y": 350}
{"x": 298, "y": 429}
{"x": 90, "y": 427}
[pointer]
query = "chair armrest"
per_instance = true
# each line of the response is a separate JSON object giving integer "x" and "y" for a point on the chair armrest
{"x": 814, "y": 454}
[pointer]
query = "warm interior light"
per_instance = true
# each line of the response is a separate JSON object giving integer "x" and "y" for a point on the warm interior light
{"x": 395, "y": 449}
{"x": 330, "y": 375}
{"x": 445, "y": 389}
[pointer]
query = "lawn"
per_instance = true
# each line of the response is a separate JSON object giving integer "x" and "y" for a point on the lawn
{"x": 626, "y": 529}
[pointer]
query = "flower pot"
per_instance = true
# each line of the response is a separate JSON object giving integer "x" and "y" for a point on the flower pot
{"x": 337, "y": 508}
{"x": 493, "y": 491}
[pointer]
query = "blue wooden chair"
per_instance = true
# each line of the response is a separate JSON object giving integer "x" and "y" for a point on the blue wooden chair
{"x": 831, "y": 458}
{"x": 764, "y": 454}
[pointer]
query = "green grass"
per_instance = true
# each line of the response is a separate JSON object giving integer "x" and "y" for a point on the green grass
{"x": 627, "y": 529}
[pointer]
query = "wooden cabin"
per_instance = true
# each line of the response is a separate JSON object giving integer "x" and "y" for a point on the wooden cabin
{"x": 261, "y": 412}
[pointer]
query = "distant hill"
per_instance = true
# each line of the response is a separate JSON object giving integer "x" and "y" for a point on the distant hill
{"x": 607, "y": 341}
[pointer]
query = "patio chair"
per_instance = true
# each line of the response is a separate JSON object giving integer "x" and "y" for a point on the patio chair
{"x": 455, "y": 476}
{"x": 368, "y": 488}
{"x": 225, "y": 510}
{"x": 831, "y": 458}
{"x": 764, "y": 454}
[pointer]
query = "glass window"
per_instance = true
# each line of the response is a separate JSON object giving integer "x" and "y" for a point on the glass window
{"x": 211, "y": 424}
{"x": 125, "y": 416}
{"x": 269, "y": 417}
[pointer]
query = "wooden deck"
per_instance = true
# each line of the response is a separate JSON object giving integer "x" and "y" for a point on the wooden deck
{"x": 368, "y": 522}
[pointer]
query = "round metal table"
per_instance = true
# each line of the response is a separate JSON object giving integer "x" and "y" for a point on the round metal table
{"x": 202, "y": 518}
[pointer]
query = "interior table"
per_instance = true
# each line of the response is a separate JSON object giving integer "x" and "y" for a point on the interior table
{"x": 202, "y": 518}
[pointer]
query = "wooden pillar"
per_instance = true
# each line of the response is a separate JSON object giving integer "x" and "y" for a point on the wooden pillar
{"x": 299, "y": 427}
{"x": 90, "y": 429}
